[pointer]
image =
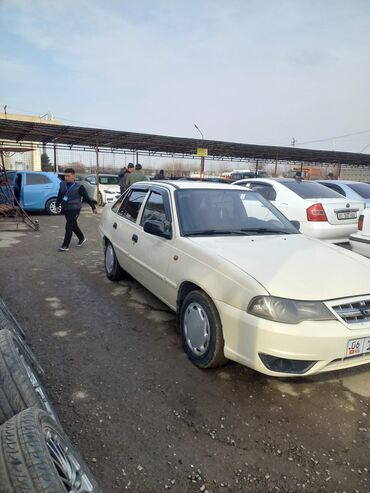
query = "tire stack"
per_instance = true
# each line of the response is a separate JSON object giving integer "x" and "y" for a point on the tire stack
{"x": 36, "y": 456}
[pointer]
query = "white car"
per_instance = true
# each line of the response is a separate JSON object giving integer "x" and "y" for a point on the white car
{"x": 360, "y": 241}
{"x": 246, "y": 285}
{"x": 109, "y": 189}
{"x": 321, "y": 212}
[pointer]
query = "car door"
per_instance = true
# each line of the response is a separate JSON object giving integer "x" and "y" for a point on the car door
{"x": 35, "y": 190}
{"x": 151, "y": 254}
{"x": 90, "y": 185}
{"x": 123, "y": 228}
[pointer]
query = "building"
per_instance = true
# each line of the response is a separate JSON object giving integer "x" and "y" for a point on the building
{"x": 29, "y": 158}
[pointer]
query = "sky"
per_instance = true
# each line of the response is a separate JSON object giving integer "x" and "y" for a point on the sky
{"x": 253, "y": 71}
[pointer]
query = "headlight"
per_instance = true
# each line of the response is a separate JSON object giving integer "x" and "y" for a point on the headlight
{"x": 288, "y": 311}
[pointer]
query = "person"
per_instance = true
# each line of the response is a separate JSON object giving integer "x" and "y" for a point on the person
{"x": 160, "y": 175}
{"x": 122, "y": 179}
{"x": 130, "y": 169}
{"x": 331, "y": 176}
{"x": 298, "y": 176}
{"x": 70, "y": 198}
{"x": 136, "y": 176}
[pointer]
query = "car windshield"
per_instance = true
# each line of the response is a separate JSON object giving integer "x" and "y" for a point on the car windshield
{"x": 362, "y": 189}
{"x": 228, "y": 212}
{"x": 311, "y": 190}
{"x": 108, "y": 180}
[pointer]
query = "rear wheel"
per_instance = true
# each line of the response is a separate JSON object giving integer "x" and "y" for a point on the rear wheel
{"x": 113, "y": 270}
{"x": 51, "y": 207}
{"x": 201, "y": 331}
{"x": 36, "y": 455}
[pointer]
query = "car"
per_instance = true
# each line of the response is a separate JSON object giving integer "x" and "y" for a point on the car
{"x": 245, "y": 283}
{"x": 35, "y": 190}
{"x": 354, "y": 190}
{"x": 360, "y": 241}
{"x": 323, "y": 213}
{"x": 109, "y": 189}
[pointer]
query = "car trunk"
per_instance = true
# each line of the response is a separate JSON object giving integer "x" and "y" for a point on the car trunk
{"x": 340, "y": 211}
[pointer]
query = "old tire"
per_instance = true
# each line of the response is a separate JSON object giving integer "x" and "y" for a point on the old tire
{"x": 8, "y": 322}
{"x": 113, "y": 270}
{"x": 20, "y": 387}
{"x": 37, "y": 457}
{"x": 201, "y": 331}
{"x": 51, "y": 207}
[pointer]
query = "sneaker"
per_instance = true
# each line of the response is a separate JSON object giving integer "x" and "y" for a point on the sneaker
{"x": 63, "y": 249}
{"x": 80, "y": 243}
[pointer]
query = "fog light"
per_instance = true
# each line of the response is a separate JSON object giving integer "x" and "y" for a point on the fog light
{"x": 283, "y": 365}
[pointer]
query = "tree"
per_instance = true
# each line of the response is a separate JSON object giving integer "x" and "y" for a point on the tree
{"x": 45, "y": 162}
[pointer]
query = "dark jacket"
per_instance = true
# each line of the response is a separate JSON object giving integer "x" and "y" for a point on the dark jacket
{"x": 122, "y": 177}
{"x": 75, "y": 194}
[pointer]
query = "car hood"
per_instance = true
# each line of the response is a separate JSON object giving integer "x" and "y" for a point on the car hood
{"x": 294, "y": 266}
{"x": 111, "y": 188}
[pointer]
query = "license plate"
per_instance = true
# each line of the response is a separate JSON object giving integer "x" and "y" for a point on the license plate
{"x": 358, "y": 346}
{"x": 347, "y": 215}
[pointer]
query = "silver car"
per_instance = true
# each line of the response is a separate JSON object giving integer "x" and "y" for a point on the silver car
{"x": 109, "y": 189}
{"x": 354, "y": 190}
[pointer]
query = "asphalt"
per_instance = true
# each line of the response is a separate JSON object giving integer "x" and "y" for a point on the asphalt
{"x": 143, "y": 416}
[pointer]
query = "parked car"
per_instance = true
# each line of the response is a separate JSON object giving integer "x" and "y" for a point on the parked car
{"x": 354, "y": 190}
{"x": 109, "y": 189}
{"x": 246, "y": 285}
{"x": 35, "y": 190}
{"x": 360, "y": 241}
{"x": 323, "y": 213}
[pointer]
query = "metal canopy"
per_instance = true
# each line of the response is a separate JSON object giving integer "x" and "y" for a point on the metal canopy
{"x": 83, "y": 137}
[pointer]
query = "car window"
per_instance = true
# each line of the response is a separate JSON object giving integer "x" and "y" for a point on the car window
{"x": 154, "y": 208}
{"x": 267, "y": 191}
{"x": 108, "y": 180}
{"x": 336, "y": 188}
{"x": 311, "y": 190}
{"x": 37, "y": 179}
{"x": 90, "y": 179}
{"x": 220, "y": 211}
{"x": 130, "y": 207}
{"x": 362, "y": 189}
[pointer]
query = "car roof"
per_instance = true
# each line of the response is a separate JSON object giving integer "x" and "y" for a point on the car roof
{"x": 342, "y": 182}
{"x": 193, "y": 185}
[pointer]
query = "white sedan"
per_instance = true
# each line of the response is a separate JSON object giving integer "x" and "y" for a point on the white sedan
{"x": 322, "y": 213}
{"x": 360, "y": 241}
{"x": 109, "y": 189}
{"x": 246, "y": 285}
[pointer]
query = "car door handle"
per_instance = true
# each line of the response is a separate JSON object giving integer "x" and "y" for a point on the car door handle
{"x": 134, "y": 238}
{"x": 115, "y": 225}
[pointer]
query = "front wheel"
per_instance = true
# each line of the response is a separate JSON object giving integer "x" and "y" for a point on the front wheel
{"x": 201, "y": 331}
{"x": 100, "y": 200}
{"x": 113, "y": 270}
{"x": 51, "y": 207}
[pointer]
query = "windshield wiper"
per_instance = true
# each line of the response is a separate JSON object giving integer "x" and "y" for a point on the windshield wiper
{"x": 209, "y": 232}
{"x": 268, "y": 231}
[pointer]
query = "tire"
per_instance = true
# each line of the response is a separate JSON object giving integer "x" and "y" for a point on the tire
{"x": 100, "y": 200}
{"x": 113, "y": 270}
{"x": 37, "y": 457}
{"x": 8, "y": 322}
{"x": 50, "y": 207}
{"x": 20, "y": 387}
{"x": 205, "y": 348}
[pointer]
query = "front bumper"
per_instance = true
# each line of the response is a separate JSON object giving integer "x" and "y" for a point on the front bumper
{"x": 325, "y": 343}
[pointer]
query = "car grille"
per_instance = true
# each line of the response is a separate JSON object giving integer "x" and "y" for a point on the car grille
{"x": 354, "y": 313}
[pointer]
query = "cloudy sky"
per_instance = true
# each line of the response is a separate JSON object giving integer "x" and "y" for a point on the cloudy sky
{"x": 256, "y": 71}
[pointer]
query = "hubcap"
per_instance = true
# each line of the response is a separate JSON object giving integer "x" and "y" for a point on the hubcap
{"x": 109, "y": 259}
{"x": 52, "y": 207}
{"x": 67, "y": 465}
{"x": 196, "y": 328}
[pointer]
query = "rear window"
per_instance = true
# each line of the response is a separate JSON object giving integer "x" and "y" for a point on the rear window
{"x": 311, "y": 190}
{"x": 362, "y": 189}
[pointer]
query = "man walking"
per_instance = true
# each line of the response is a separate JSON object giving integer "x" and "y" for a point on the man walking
{"x": 136, "y": 176}
{"x": 70, "y": 197}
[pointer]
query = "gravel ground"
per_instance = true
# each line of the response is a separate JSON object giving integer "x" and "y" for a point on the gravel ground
{"x": 143, "y": 416}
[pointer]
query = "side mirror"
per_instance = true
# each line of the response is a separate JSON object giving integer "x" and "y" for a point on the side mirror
{"x": 296, "y": 224}
{"x": 156, "y": 227}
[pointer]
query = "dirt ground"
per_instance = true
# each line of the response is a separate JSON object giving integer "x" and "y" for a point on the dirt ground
{"x": 143, "y": 416}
